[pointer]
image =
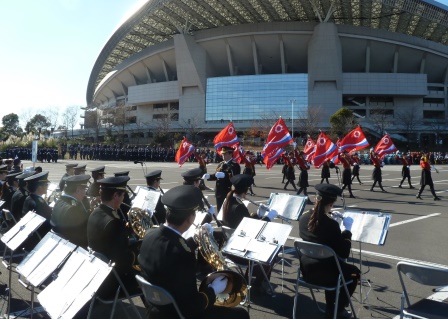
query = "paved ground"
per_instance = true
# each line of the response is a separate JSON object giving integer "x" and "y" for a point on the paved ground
{"x": 418, "y": 232}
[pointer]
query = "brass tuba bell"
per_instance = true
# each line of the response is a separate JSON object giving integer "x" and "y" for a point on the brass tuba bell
{"x": 236, "y": 289}
{"x": 140, "y": 221}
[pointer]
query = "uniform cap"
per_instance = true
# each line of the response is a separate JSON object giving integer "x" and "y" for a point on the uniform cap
{"x": 70, "y": 165}
{"x": 152, "y": 176}
{"x": 16, "y": 161}
{"x": 24, "y": 175}
{"x": 226, "y": 149}
{"x": 80, "y": 169}
{"x": 328, "y": 190}
{"x": 8, "y": 161}
{"x": 12, "y": 176}
{"x": 242, "y": 181}
{"x": 77, "y": 180}
{"x": 41, "y": 178}
{"x": 98, "y": 170}
{"x": 118, "y": 183}
{"x": 182, "y": 198}
{"x": 192, "y": 174}
{"x": 125, "y": 173}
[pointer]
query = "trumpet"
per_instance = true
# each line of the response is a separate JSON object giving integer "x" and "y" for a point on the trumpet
{"x": 266, "y": 209}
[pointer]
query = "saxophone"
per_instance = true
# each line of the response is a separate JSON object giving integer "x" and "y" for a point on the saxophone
{"x": 236, "y": 289}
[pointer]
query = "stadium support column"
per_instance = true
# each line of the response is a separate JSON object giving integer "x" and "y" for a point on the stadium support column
{"x": 191, "y": 75}
{"x": 325, "y": 70}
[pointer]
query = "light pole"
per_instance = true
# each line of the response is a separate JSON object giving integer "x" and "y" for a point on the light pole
{"x": 292, "y": 118}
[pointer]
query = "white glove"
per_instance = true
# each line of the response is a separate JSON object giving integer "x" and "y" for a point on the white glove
{"x": 347, "y": 222}
{"x": 294, "y": 144}
{"x": 272, "y": 214}
{"x": 407, "y": 166}
{"x": 209, "y": 228}
{"x": 382, "y": 164}
{"x": 219, "y": 284}
{"x": 336, "y": 215}
{"x": 206, "y": 176}
{"x": 262, "y": 209}
{"x": 355, "y": 164}
{"x": 220, "y": 175}
{"x": 397, "y": 153}
{"x": 211, "y": 210}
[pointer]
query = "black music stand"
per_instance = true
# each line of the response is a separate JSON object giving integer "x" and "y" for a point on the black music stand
{"x": 368, "y": 228}
{"x": 43, "y": 260}
{"x": 78, "y": 280}
{"x": 258, "y": 242}
{"x": 15, "y": 237}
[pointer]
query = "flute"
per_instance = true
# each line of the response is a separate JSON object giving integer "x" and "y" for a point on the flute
{"x": 266, "y": 208}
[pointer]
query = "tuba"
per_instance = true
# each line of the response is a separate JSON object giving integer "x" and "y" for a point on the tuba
{"x": 236, "y": 289}
{"x": 140, "y": 221}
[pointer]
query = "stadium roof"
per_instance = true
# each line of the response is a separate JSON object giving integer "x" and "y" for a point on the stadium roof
{"x": 157, "y": 21}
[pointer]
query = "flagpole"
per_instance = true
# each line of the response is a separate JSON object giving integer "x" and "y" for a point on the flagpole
{"x": 292, "y": 118}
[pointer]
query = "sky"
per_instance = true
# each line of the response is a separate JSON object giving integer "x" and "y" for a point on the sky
{"x": 48, "y": 49}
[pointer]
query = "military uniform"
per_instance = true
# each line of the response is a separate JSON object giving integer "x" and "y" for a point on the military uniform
{"x": 18, "y": 198}
{"x": 66, "y": 175}
{"x": 160, "y": 211}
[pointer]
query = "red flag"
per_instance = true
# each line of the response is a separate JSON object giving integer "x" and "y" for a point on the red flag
{"x": 353, "y": 141}
{"x": 237, "y": 156}
{"x": 227, "y": 137}
{"x": 184, "y": 151}
{"x": 325, "y": 148}
{"x": 270, "y": 158}
{"x": 278, "y": 137}
{"x": 385, "y": 146}
{"x": 310, "y": 148}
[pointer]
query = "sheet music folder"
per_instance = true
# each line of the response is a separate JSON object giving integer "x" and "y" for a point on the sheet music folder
{"x": 45, "y": 258}
{"x": 287, "y": 205}
{"x": 146, "y": 199}
{"x": 21, "y": 231}
{"x": 369, "y": 227}
{"x": 257, "y": 240}
{"x": 75, "y": 285}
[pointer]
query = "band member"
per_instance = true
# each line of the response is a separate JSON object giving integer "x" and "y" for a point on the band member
{"x": 107, "y": 234}
{"x": 346, "y": 162}
{"x": 37, "y": 186}
{"x": 194, "y": 177}
{"x": 18, "y": 198}
{"x": 316, "y": 226}
{"x": 249, "y": 167}
{"x": 9, "y": 163}
{"x": 284, "y": 170}
{"x": 325, "y": 173}
{"x": 70, "y": 216}
{"x": 167, "y": 260}
{"x": 376, "y": 174}
{"x": 94, "y": 188}
{"x": 17, "y": 166}
{"x": 405, "y": 170}
{"x": 303, "y": 177}
{"x": 153, "y": 182}
{"x": 233, "y": 212}
{"x": 127, "y": 201}
{"x": 290, "y": 171}
{"x": 225, "y": 170}
{"x": 355, "y": 172}
{"x": 9, "y": 187}
{"x": 202, "y": 161}
{"x": 69, "y": 171}
{"x": 426, "y": 178}
{"x": 3, "y": 172}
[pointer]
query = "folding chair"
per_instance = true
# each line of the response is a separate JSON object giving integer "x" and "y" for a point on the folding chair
{"x": 120, "y": 294}
{"x": 157, "y": 296}
{"x": 428, "y": 276}
{"x": 318, "y": 251}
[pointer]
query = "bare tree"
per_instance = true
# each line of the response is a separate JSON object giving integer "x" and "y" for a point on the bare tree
{"x": 26, "y": 115}
{"x": 409, "y": 121}
{"x": 191, "y": 128}
{"x": 52, "y": 114}
{"x": 309, "y": 120}
{"x": 70, "y": 117}
{"x": 162, "y": 128}
{"x": 381, "y": 118}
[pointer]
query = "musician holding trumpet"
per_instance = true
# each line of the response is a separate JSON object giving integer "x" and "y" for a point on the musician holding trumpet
{"x": 167, "y": 260}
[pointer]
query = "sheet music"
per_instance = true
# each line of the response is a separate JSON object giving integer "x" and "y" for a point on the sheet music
{"x": 17, "y": 227}
{"x": 197, "y": 221}
{"x": 24, "y": 231}
{"x": 250, "y": 227}
{"x": 2, "y": 202}
{"x": 276, "y": 233}
{"x": 146, "y": 199}
{"x": 260, "y": 250}
{"x": 369, "y": 227}
{"x": 236, "y": 245}
{"x": 219, "y": 216}
{"x": 288, "y": 206}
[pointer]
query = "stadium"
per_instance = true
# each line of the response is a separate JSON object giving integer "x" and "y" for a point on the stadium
{"x": 195, "y": 65}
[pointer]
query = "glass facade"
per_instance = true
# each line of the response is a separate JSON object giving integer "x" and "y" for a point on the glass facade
{"x": 256, "y": 97}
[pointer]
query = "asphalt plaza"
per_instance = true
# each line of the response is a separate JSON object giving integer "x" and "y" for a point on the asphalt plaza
{"x": 418, "y": 232}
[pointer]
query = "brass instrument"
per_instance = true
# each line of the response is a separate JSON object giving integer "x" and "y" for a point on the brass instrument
{"x": 266, "y": 208}
{"x": 222, "y": 167}
{"x": 94, "y": 202}
{"x": 236, "y": 289}
{"x": 53, "y": 193}
{"x": 140, "y": 221}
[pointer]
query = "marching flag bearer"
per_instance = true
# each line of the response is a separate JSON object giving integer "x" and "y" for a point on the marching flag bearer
{"x": 426, "y": 178}
{"x": 405, "y": 171}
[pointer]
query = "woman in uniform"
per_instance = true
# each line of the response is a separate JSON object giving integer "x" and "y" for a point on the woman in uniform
{"x": 318, "y": 227}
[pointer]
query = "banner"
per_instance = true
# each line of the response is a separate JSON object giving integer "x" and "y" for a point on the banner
{"x": 385, "y": 146}
{"x": 325, "y": 148}
{"x": 353, "y": 141}
{"x": 309, "y": 149}
{"x": 270, "y": 158}
{"x": 184, "y": 151}
{"x": 227, "y": 137}
{"x": 278, "y": 137}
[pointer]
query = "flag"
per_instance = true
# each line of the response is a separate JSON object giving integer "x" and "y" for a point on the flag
{"x": 237, "y": 156}
{"x": 385, "y": 146}
{"x": 310, "y": 148}
{"x": 325, "y": 148}
{"x": 184, "y": 151}
{"x": 353, "y": 141}
{"x": 270, "y": 158}
{"x": 278, "y": 137}
{"x": 227, "y": 137}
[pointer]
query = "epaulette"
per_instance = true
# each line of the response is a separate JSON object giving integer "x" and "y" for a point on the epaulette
{"x": 73, "y": 202}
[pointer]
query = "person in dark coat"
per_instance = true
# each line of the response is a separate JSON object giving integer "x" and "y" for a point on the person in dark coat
{"x": 107, "y": 234}
{"x": 290, "y": 171}
{"x": 69, "y": 171}
{"x": 168, "y": 260}
{"x": 70, "y": 216}
{"x": 153, "y": 182}
{"x": 355, "y": 172}
{"x": 94, "y": 188}
{"x": 225, "y": 170}
{"x": 17, "y": 166}
{"x": 127, "y": 201}
{"x": 376, "y": 174}
{"x": 304, "y": 166}
{"x": 426, "y": 178}
{"x": 37, "y": 186}
{"x": 346, "y": 162}
{"x": 405, "y": 170}
{"x": 18, "y": 198}
{"x": 318, "y": 227}
{"x": 325, "y": 172}
{"x": 9, "y": 187}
